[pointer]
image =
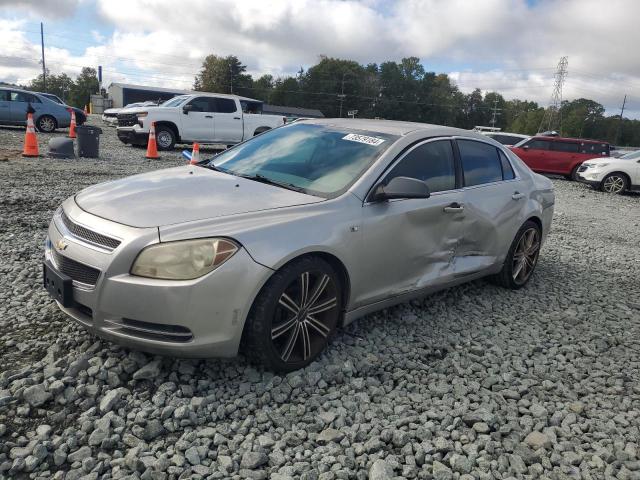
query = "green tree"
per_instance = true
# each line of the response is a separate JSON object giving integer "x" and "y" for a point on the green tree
{"x": 60, "y": 85}
{"x": 223, "y": 75}
{"x": 263, "y": 88}
{"x": 85, "y": 85}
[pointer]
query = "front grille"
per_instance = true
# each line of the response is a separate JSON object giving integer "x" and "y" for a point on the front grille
{"x": 88, "y": 235}
{"x": 150, "y": 331}
{"x": 77, "y": 271}
{"x": 127, "y": 119}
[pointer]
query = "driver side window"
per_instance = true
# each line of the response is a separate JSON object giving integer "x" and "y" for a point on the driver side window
{"x": 432, "y": 162}
{"x": 202, "y": 104}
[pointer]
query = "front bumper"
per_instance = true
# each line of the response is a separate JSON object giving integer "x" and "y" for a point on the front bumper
{"x": 591, "y": 178}
{"x": 132, "y": 136}
{"x": 195, "y": 318}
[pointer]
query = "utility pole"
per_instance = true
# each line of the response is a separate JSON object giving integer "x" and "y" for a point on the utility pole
{"x": 620, "y": 121}
{"x": 231, "y": 77}
{"x": 496, "y": 112}
{"x": 44, "y": 70}
{"x": 342, "y": 95}
{"x": 554, "y": 111}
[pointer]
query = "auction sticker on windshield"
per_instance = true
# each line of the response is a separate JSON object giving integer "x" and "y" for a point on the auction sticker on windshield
{"x": 354, "y": 137}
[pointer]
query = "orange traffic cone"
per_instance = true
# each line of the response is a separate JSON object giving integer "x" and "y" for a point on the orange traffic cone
{"x": 72, "y": 127}
{"x": 195, "y": 154}
{"x": 152, "y": 147}
{"x": 30, "y": 139}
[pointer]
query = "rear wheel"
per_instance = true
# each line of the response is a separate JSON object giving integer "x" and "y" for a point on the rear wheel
{"x": 522, "y": 257}
{"x": 614, "y": 183}
{"x": 46, "y": 124}
{"x": 294, "y": 315}
{"x": 573, "y": 176}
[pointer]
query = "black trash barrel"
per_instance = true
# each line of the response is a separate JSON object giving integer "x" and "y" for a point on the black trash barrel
{"x": 88, "y": 141}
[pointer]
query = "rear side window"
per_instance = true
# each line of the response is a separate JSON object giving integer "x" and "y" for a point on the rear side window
{"x": 570, "y": 147}
{"x": 4, "y": 96}
{"x": 480, "y": 163}
{"x": 507, "y": 169}
{"x": 595, "y": 148}
{"x": 506, "y": 139}
{"x": 432, "y": 163}
{"x": 225, "y": 105}
{"x": 538, "y": 145}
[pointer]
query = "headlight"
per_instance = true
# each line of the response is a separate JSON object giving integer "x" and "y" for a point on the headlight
{"x": 184, "y": 260}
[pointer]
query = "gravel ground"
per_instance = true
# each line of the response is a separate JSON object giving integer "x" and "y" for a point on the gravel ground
{"x": 473, "y": 383}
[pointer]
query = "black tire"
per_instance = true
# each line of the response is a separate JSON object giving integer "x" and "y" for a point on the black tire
{"x": 506, "y": 278}
{"x": 573, "y": 176}
{"x": 274, "y": 335}
{"x": 46, "y": 124}
{"x": 615, "y": 182}
{"x": 165, "y": 137}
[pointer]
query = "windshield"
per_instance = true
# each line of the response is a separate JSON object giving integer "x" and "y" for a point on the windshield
{"x": 175, "y": 101}
{"x": 631, "y": 155}
{"x": 317, "y": 159}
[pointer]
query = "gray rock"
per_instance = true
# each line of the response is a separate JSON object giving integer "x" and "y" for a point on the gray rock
{"x": 36, "y": 395}
{"x": 148, "y": 372}
{"x": 153, "y": 429}
{"x": 380, "y": 470}
{"x": 192, "y": 455}
{"x": 441, "y": 471}
{"x": 329, "y": 435}
{"x": 109, "y": 400}
{"x": 79, "y": 455}
{"x": 537, "y": 440}
{"x": 253, "y": 460}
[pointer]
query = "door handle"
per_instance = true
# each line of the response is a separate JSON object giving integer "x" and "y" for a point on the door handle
{"x": 208, "y": 116}
{"x": 517, "y": 195}
{"x": 236, "y": 118}
{"x": 454, "y": 208}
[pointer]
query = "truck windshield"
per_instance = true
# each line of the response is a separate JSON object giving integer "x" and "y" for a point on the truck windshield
{"x": 317, "y": 159}
{"x": 175, "y": 101}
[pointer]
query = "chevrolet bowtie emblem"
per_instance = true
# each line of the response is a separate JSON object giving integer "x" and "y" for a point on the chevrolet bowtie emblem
{"x": 61, "y": 244}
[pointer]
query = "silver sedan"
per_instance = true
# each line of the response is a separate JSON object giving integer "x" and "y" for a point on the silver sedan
{"x": 271, "y": 245}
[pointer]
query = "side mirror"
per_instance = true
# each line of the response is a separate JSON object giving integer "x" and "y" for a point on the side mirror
{"x": 400, "y": 187}
{"x": 186, "y": 109}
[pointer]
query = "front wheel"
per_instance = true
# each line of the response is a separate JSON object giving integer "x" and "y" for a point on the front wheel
{"x": 573, "y": 176}
{"x": 165, "y": 138}
{"x": 46, "y": 124}
{"x": 294, "y": 315}
{"x": 614, "y": 183}
{"x": 522, "y": 258}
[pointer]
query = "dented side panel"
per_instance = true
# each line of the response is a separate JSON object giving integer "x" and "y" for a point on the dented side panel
{"x": 406, "y": 245}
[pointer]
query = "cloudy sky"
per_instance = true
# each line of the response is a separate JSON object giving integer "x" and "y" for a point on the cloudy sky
{"x": 509, "y": 46}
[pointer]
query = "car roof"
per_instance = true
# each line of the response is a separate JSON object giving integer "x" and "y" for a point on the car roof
{"x": 393, "y": 127}
{"x": 569, "y": 139}
{"x": 223, "y": 95}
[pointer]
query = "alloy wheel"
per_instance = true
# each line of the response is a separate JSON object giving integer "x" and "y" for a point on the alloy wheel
{"x": 163, "y": 139}
{"x": 613, "y": 184}
{"x": 46, "y": 124}
{"x": 525, "y": 256}
{"x": 304, "y": 317}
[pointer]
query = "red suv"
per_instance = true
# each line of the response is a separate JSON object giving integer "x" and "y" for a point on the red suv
{"x": 559, "y": 155}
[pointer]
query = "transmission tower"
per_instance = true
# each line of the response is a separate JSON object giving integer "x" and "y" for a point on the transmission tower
{"x": 495, "y": 112}
{"x": 553, "y": 114}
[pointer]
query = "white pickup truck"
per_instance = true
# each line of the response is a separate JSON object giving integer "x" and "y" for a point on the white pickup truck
{"x": 199, "y": 117}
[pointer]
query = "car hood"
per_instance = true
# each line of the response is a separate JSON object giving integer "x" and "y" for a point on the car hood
{"x": 113, "y": 110}
{"x": 599, "y": 160}
{"x": 183, "y": 194}
{"x": 150, "y": 108}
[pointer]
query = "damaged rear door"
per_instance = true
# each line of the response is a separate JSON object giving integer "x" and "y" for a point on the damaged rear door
{"x": 410, "y": 244}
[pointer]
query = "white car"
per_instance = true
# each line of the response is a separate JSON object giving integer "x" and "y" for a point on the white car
{"x": 208, "y": 118}
{"x": 110, "y": 115}
{"x": 506, "y": 138}
{"x": 612, "y": 175}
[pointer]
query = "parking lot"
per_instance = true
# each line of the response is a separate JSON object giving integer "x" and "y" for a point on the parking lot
{"x": 476, "y": 382}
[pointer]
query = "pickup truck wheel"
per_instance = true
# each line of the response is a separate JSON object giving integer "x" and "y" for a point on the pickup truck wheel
{"x": 165, "y": 138}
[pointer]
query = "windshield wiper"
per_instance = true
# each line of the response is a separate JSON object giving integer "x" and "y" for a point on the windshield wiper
{"x": 262, "y": 179}
{"x": 211, "y": 166}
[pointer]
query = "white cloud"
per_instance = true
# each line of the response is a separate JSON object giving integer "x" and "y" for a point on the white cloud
{"x": 504, "y": 45}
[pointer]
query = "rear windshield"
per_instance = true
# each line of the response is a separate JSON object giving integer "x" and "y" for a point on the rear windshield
{"x": 319, "y": 159}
